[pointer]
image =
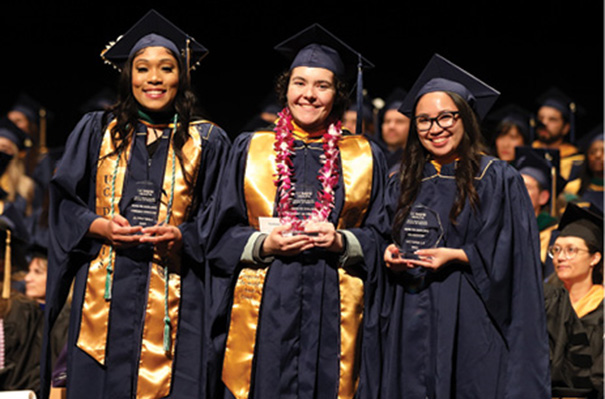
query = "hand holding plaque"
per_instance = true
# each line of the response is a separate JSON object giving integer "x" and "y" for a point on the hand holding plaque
{"x": 422, "y": 229}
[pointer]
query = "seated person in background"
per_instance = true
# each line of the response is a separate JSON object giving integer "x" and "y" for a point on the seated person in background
{"x": 20, "y": 321}
{"x": 394, "y": 129}
{"x": 512, "y": 130}
{"x": 537, "y": 167}
{"x": 574, "y": 305}
{"x": 588, "y": 187}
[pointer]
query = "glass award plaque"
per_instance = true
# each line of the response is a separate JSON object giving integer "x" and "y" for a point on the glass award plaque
{"x": 422, "y": 229}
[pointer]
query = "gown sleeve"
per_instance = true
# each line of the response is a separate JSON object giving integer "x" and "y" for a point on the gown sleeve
{"x": 504, "y": 259}
{"x": 196, "y": 231}
{"x": 228, "y": 236}
{"x": 373, "y": 235}
{"x": 70, "y": 215}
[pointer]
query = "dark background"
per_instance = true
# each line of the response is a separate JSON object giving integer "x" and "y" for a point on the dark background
{"x": 51, "y": 50}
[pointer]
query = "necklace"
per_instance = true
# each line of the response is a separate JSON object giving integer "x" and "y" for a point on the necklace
{"x": 328, "y": 173}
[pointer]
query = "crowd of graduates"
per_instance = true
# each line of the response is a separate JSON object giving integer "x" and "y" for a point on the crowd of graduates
{"x": 562, "y": 170}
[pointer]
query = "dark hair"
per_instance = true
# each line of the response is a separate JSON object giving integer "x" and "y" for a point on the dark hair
{"x": 126, "y": 109}
{"x": 415, "y": 156}
{"x": 597, "y": 270}
{"x": 503, "y": 128}
{"x": 341, "y": 100}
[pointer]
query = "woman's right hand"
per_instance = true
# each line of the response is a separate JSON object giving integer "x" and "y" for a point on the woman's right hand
{"x": 277, "y": 243}
{"x": 394, "y": 261}
{"x": 117, "y": 231}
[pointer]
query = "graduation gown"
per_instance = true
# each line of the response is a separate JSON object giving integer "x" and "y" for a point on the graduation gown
{"x": 298, "y": 338}
{"x": 107, "y": 361}
{"x": 473, "y": 330}
{"x": 576, "y": 344}
{"x": 22, "y": 340}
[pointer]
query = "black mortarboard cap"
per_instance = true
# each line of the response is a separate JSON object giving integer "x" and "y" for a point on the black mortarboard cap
{"x": 316, "y": 47}
{"x": 395, "y": 98}
{"x": 515, "y": 114}
{"x": 27, "y": 106}
{"x": 596, "y": 133}
{"x": 441, "y": 74}
{"x": 586, "y": 223}
{"x": 9, "y": 130}
{"x": 543, "y": 165}
{"x": 100, "y": 101}
{"x": 154, "y": 30}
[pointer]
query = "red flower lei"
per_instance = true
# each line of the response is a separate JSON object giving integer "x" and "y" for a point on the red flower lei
{"x": 328, "y": 173}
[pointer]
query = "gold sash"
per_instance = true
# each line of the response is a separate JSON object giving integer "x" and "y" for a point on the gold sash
{"x": 260, "y": 191}
{"x": 155, "y": 364}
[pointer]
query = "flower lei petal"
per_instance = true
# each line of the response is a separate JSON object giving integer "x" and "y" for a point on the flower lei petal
{"x": 327, "y": 175}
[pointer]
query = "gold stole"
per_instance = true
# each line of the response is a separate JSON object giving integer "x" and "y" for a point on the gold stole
{"x": 260, "y": 191}
{"x": 590, "y": 301}
{"x": 155, "y": 364}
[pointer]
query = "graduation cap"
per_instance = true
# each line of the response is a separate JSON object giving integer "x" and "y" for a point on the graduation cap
{"x": 557, "y": 99}
{"x": 543, "y": 165}
{"x": 586, "y": 223}
{"x": 515, "y": 114}
{"x": 395, "y": 98}
{"x": 28, "y": 107}
{"x": 150, "y": 31}
{"x": 10, "y": 131}
{"x": 99, "y": 101}
{"x": 595, "y": 134}
{"x": 441, "y": 74}
{"x": 316, "y": 47}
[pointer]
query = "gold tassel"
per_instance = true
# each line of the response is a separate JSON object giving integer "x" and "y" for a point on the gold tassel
{"x": 6, "y": 287}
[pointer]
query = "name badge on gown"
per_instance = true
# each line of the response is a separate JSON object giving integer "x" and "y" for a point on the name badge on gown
{"x": 143, "y": 208}
{"x": 422, "y": 229}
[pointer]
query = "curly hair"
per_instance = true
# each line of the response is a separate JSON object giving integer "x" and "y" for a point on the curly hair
{"x": 415, "y": 156}
{"x": 341, "y": 100}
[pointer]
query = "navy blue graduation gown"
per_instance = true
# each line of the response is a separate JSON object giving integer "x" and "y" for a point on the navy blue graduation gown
{"x": 72, "y": 208}
{"x": 475, "y": 330}
{"x": 297, "y": 345}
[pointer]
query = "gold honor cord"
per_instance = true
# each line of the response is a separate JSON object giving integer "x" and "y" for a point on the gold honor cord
{"x": 239, "y": 352}
{"x": 155, "y": 364}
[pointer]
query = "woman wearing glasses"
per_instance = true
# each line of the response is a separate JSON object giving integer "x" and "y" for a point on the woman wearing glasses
{"x": 466, "y": 317}
{"x": 574, "y": 309}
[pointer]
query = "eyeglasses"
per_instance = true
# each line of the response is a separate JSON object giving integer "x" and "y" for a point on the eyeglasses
{"x": 444, "y": 120}
{"x": 568, "y": 252}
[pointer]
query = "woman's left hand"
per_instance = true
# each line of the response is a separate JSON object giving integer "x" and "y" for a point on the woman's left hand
{"x": 324, "y": 235}
{"x": 434, "y": 258}
{"x": 166, "y": 238}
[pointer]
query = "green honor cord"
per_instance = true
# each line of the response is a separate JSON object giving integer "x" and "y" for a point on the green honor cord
{"x": 111, "y": 213}
{"x": 167, "y": 343}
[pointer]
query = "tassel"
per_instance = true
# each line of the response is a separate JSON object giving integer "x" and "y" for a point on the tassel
{"x": 6, "y": 287}
{"x": 167, "y": 343}
{"x": 108, "y": 276}
{"x": 358, "y": 124}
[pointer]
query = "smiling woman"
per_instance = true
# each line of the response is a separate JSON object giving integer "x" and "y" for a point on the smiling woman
{"x": 155, "y": 79}
{"x": 465, "y": 317}
{"x": 314, "y": 264}
{"x": 128, "y": 200}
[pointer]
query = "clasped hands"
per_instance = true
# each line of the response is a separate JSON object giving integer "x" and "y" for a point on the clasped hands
{"x": 118, "y": 232}
{"x": 315, "y": 234}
